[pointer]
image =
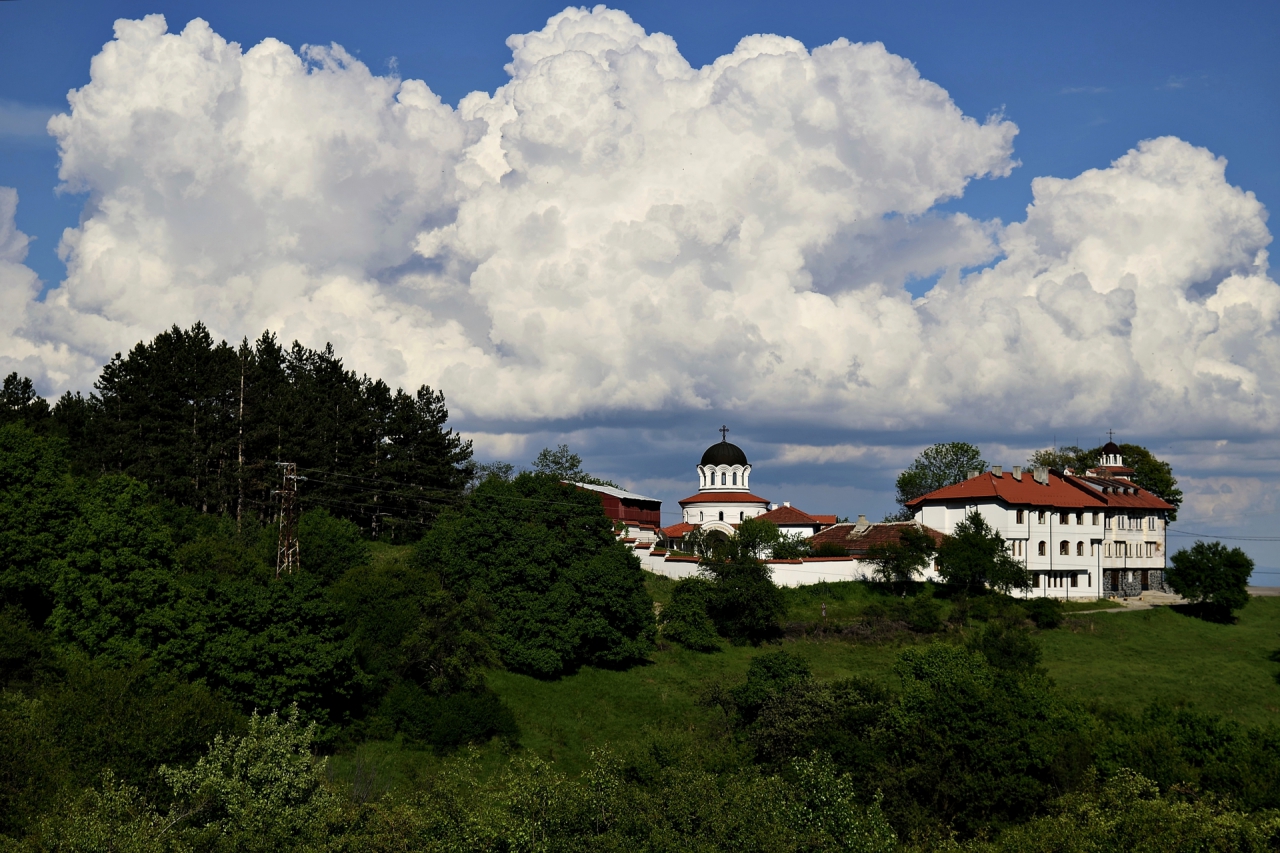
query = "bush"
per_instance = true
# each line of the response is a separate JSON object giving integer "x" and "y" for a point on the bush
{"x": 684, "y": 619}
{"x": 329, "y": 547}
{"x": 924, "y": 612}
{"x": 1213, "y": 577}
{"x": 563, "y": 591}
{"x": 767, "y": 675}
{"x": 1045, "y": 612}
{"x": 448, "y": 722}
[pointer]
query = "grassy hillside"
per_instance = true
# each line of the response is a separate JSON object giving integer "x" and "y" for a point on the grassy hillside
{"x": 1123, "y": 658}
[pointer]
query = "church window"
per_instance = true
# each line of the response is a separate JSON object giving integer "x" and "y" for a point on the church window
{"x": 735, "y": 478}
{"x": 1075, "y": 580}
{"x": 742, "y": 516}
{"x": 722, "y": 515}
{"x": 1079, "y": 549}
{"x": 1064, "y": 548}
{"x": 723, "y": 477}
{"x": 1042, "y": 548}
{"x": 700, "y": 517}
{"x": 1020, "y": 517}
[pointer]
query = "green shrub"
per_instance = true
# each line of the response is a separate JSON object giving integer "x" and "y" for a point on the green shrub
{"x": 1045, "y": 612}
{"x": 448, "y": 722}
{"x": 684, "y": 619}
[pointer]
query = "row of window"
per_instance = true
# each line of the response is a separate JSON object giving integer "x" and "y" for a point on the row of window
{"x": 1059, "y": 580}
{"x": 723, "y": 478}
{"x": 1121, "y": 549}
{"x": 742, "y": 516}
{"x": 1120, "y": 522}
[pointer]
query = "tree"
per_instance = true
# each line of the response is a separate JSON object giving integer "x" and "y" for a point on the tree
{"x": 745, "y": 604}
{"x": 902, "y": 561}
{"x": 1063, "y": 458}
{"x": 975, "y": 557}
{"x": 1213, "y": 576}
{"x": 684, "y": 619}
{"x": 938, "y": 466}
{"x": 563, "y": 591}
{"x": 563, "y": 464}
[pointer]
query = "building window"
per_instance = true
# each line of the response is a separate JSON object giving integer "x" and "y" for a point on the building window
{"x": 1095, "y": 523}
{"x": 1042, "y": 548}
{"x": 1091, "y": 547}
{"x": 1064, "y": 548}
{"x": 1151, "y": 549}
{"x": 1020, "y": 517}
{"x": 1079, "y": 549}
{"x": 1075, "y": 580}
{"x": 722, "y": 515}
{"x": 700, "y": 517}
{"x": 1041, "y": 517}
{"x": 1151, "y": 522}
{"x": 742, "y": 516}
{"x": 735, "y": 478}
{"x": 1064, "y": 518}
{"x": 724, "y": 479}
{"x": 1079, "y": 518}
{"x": 1107, "y": 552}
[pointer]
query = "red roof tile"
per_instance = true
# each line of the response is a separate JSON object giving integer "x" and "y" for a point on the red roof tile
{"x": 857, "y": 543}
{"x": 723, "y": 498}
{"x": 675, "y": 531}
{"x": 788, "y": 515}
{"x": 1060, "y": 492}
{"x": 827, "y": 519}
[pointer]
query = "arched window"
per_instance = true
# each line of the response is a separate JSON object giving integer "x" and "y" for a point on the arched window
{"x": 722, "y": 515}
{"x": 1042, "y": 548}
{"x": 700, "y": 517}
{"x": 723, "y": 478}
{"x": 1079, "y": 549}
{"x": 735, "y": 478}
{"x": 1064, "y": 548}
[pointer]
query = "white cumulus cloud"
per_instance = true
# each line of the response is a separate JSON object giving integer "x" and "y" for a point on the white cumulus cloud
{"x": 615, "y": 230}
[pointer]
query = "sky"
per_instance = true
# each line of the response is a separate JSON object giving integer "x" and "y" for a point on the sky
{"x": 846, "y": 231}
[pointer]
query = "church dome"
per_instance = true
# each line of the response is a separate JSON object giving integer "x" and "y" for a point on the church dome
{"x": 1111, "y": 449}
{"x": 724, "y": 453}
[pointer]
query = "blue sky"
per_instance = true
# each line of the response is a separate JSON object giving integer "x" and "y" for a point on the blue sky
{"x": 1084, "y": 83}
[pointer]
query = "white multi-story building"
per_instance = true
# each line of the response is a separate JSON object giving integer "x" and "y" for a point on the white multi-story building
{"x": 1087, "y": 536}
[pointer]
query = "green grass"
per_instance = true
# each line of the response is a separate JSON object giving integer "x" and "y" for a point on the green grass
{"x": 1131, "y": 659}
{"x": 1091, "y": 604}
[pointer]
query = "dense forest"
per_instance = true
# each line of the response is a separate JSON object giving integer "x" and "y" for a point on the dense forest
{"x": 165, "y": 690}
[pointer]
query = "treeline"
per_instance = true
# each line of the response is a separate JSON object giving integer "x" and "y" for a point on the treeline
{"x": 203, "y": 424}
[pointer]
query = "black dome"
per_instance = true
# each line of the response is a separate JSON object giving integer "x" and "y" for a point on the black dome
{"x": 1111, "y": 448}
{"x": 724, "y": 453}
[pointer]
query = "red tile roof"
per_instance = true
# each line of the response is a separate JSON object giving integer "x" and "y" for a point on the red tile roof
{"x": 675, "y": 531}
{"x": 827, "y": 519}
{"x": 857, "y": 543}
{"x": 789, "y": 515}
{"x": 723, "y": 498}
{"x": 1059, "y": 492}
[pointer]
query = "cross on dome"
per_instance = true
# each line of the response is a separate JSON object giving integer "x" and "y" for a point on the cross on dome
{"x": 724, "y": 433}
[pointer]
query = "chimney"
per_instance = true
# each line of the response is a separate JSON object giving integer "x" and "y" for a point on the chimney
{"x": 1042, "y": 476}
{"x": 998, "y": 470}
{"x": 773, "y": 506}
{"x": 1017, "y": 473}
{"x": 786, "y": 503}
{"x": 862, "y": 524}
{"x": 972, "y": 474}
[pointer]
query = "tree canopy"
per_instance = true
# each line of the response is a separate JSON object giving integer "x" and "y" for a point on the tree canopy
{"x": 975, "y": 557}
{"x": 1211, "y": 575}
{"x": 937, "y": 466}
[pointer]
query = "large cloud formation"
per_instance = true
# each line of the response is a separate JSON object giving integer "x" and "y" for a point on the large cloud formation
{"x": 616, "y": 231}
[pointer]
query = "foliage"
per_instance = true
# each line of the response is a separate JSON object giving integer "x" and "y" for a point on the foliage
{"x": 19, "y": 402}
{"x": 258, "y": 791}
{"x": 745, "y": 605}
{"x": 974, "y": 557}
{"x": 1006, "y": 647}
{"x": 684, "y": 618}
{"x": 902, "y": 561}
{"x": 562, "y": 590}
{"x": 798, "y": 547}
{"x": 938, "y": 466}
{"x": 1127, "y": 813}
{"x": 203, "y": 423}
{"x": 1068, "y": 457}
{"x": 1046, "y": 612}
{"x": 564, "y": 464}
{"x": 1213, "y": 576}
{"x": 329, "y": 547}
{"x": 924, "y": 612}
{"x": 448, "y": 721}
{"x": 768, "y": 675}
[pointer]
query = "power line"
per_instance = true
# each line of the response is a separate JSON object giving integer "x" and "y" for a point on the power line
{"x": 1188, "y": 533}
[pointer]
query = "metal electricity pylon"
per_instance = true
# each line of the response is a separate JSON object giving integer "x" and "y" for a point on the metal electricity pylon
{"x": 287, "y": 544}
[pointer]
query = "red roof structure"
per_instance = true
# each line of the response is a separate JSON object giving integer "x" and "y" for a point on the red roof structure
{"x": 788, "y": 515}
{"x": 676, "y": 531}
{"x": 723, "y": 498}
{"x": 1057, "y": 491}
{"x": 856, "y": 539}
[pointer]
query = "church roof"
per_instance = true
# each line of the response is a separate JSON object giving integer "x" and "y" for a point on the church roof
{"x": 1111, "y": 448}
{"x": 723, "y": 498}
{"x": 724, "y": 453}
{"x": 675, "y": 531}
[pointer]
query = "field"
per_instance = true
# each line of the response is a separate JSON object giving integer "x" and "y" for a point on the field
{"x": 1124, "y": 659}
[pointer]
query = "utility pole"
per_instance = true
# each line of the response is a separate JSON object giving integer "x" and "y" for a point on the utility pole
{"x": 287, "y": 545}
